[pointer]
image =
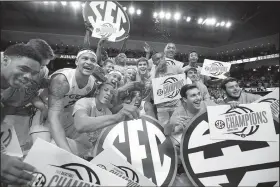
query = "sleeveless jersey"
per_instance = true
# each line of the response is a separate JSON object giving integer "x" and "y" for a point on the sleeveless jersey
{"x": 74, "y": 94}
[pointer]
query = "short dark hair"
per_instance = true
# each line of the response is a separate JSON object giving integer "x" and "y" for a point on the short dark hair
{"x": 23, "y": 50}
{"x": 192, "y": 52}
{"x": 43, "y": 48}
{"x": 188, "y": 69}
{"x": 108, "y": 61}
{"x": 185, "y": 88}
{"x": 142, "y": 59}
{"x": 161, "y": 53}
{"x": 227, "y": 80}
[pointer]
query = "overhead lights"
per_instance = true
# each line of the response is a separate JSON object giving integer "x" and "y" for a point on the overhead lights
{"x": 189, "y": 19}
{"x": 168, "y": 15}
{"x": 200, "y": 20}
{"x": 63, "y": 3}
{"x": 177, "y": 16}
{"x": 228, "y": 24}
{"x": 124, "y": 8}
{"x": 223, "y": 23}
{"x": 155, "y": 14}
{"x": 75, "y": 4}
{"x": 131, "y": 10}
{"x": 46, "y": 2}
{"x": 138, "y": 12}
{"x": 161, "y": 14}
{"x": 217, "y": 24}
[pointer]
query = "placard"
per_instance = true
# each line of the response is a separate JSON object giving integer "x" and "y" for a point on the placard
{"x": 143, "y": 144}
{"x": 237, "y": 163}
{"x": 245, "y": 122}
{"x": 168, "y": 88}
{"x": 215, "y": 68}
{"x": 10, "y": 141}
{"x": 58, "y": 167}
{"x": 108, "y": 20}
{"x": 273, "y": 99}
{"x": 114, "y": 163}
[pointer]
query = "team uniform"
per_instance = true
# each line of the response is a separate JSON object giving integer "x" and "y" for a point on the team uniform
{"x": 19, "y": 109}
{"x": 74, "y": 94}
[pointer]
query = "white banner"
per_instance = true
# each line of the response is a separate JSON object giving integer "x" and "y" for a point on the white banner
{"x": 273, "y": 99}
{"x": 245, "y": 122}
{"x": 114, "y": 163}
{"x": 168, "y": 88}
{"x": 9, "y": 140}
{"x": 215, "y": 68}
{"x": 57, "y": 167}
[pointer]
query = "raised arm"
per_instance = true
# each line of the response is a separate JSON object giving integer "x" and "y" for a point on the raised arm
{"x": 59, "y": 86}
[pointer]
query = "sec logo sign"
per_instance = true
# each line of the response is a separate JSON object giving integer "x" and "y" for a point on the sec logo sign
{"x": 144, "y": 145}
{"x": 108, "y": 20}
{"x": 228, "y": 162}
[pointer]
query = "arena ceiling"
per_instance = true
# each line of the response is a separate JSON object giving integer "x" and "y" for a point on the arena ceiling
{"x": 249, "y": 20}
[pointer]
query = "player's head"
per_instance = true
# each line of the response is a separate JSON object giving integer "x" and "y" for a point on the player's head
{"x": 191, "y": 96}
{"x": 105, "y": 93}
{"x": 21, "y": 63}
{"x": 170, "y": 50}
{"x": 231, "y": 87}
{"x": 86, "y": 61}
{"x": 142, "y": 65}
{"x": 44, "y": 50}
{"x": 121, "y": 58}
{"x": 108, "y": 66}
{"x": 159, "y": 60}
{"x": 114, "y": 77}
{"x": 193, "y": 56}
{"x": 191, "y": 73}
{"x": 130, "y": 74}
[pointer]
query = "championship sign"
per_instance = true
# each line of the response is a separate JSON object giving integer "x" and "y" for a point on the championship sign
{"x": 114, "y": 163}
{"x": 9, "y": 140}
{"x": 143, "y": 144}
{"x": 108, "y": 20}
{"x": 215, "y": 68}
{"x": 228, "y": 162}
{"x": 57, "y": 167}
{"x": 168, "y": 88}
{"x": 245, "y": 122}
{"x": 273, "y": 99}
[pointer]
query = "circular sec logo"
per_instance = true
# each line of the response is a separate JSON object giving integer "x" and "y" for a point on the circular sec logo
{"x": 159, "y": 92}
{"x": 144, "y": 145}
{"x": 108, "y": 20}
{"x": 228, "y": 162}
{"x": 220, "y": 124}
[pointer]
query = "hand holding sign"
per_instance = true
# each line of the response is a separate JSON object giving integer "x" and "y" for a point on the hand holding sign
{"x": 13, "y": 170}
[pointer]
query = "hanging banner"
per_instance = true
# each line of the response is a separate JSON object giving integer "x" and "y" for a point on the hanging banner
{"x": 168, "y": 88}
{"x": 10, "y": 144}
{"x": 143, "y": 144}
{"x": 273, "y": 99}
{"x": 58, "y": 167}
{"x": 237, "y": 163}
{"x": 215, "y": 68}
{"x": 245, "y": 122}
{"x": 114, "y": 163}
{"x": 108, "y": 20}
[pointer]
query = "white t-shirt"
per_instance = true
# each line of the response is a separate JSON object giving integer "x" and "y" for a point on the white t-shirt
{"x": 89, "y": 105}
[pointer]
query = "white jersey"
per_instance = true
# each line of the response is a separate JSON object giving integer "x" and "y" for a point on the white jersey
{"x": 74, "y": 94}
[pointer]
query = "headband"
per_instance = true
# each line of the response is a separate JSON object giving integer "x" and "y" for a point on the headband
{"x": 86, "y": 51}
{"x": 117, "y": 72}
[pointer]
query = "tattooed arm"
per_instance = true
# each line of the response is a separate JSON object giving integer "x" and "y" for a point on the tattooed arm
{"x": 59, "y": 86}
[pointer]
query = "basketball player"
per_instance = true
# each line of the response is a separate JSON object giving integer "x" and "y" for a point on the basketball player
{"x": 18, "y": 105}
{"x": 66, "y": 87}
{"x": 19, "y": 64}
{"x": 169, "y": 52}
{"x": 92, "y": 115}
{"x": 108, "y": 66}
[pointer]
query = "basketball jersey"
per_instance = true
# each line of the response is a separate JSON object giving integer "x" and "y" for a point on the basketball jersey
{"x": 74, "y": 94}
